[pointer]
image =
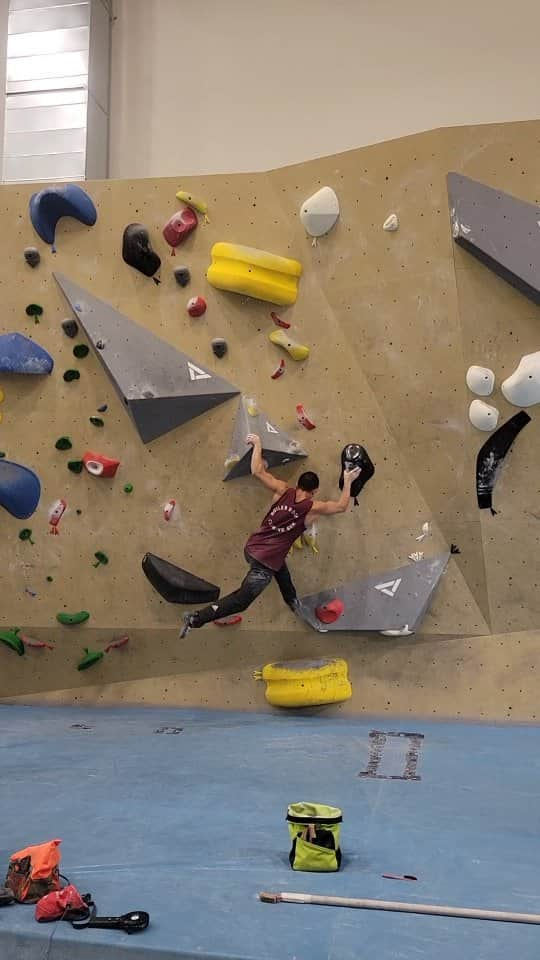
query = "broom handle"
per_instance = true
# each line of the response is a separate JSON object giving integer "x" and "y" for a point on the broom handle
{"x": 399, "y": 907}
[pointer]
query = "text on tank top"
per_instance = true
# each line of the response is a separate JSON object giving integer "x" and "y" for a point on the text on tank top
{"x": 282, "y": 525}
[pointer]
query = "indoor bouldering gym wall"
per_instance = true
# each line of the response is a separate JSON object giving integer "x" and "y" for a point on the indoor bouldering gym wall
{"x": 393, "y": 318}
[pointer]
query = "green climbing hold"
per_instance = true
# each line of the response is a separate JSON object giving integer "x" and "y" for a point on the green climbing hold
{"x": 12, "y": 639}
{"x": 34, "y": 310}
{"x": 71, "y": 375}
{"x": 101, "y": 559}
{"x": 128, "y": 488}
{"x": 49, "y": 579}
{"x": 81, "y": 351}
{"x": 26, "y": 534}
{"x": 63, "y": 443}
{"x": 75, "y": 466}
{"x": 90, "y": 657}
{"x": 97, "y": 422}
{"x": 2, "y": 454}
{"x": 70, "y": 618}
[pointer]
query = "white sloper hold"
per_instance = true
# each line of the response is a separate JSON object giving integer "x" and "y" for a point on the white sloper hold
{"x": 482, "y": 416}
{"x": 480, "y": 380}
{"x": 319, "y": 212}
{"x": 522, "y": 388}
{"x": 391, "y": 224}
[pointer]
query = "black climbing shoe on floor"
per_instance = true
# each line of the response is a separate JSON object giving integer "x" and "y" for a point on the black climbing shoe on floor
{"x": 300, "y": 610}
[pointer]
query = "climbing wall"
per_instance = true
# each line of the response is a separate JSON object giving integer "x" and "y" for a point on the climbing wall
{"x": 393, "y": 321}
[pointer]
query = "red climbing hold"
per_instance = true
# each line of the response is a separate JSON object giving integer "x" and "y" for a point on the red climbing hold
{"x": 279, "y": 322}
{"x": 56, "y": 513}
{"x": 100, "y": 466}
{"x": 279, "y": 371}
{"x": 303, "y": 418}
{"x": 331, "y": 611}
{"x": 230, "y": 622}
{"x": 39, "y": 644}
{"x": 196, "y": 306}
{"x": 168, "y": 509}
{"x": 180, "y": 225}
{"x": 115, "y": 644}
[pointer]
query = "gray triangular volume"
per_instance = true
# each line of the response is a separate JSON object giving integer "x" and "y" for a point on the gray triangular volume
{"x": 387, "y": 601}
{"x": 161, "y": 387}
{"x": 500, "y": 230}
{"x": 278, "y": 448}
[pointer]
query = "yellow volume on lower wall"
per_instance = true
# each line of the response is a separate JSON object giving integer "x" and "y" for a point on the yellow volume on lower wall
{"x": 254, "y": 273}
{"x": 306, "y": 683}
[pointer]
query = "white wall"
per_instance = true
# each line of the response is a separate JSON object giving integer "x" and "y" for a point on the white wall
{"x": 203, "y": 86}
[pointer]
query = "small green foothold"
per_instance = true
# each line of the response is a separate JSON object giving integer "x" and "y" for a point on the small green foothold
{"x": 75, "y": 466}
{"x": 63, "y": 443}
{"x": 81, "y": 351}
{"x": 49, "y": 579}
{"x": 12, "y": 639}
{"x": 97, "y": 422}
{"x": 2, "y": 454}
{"x": 101, "y": 558}
{"x": 26, "y": 534}
{"x": 70, "y": 618}
{"x": 128, "y": 488}
{"x": 34, "y": 310}
{"x": 90, "y": 657}
{"x": 71, "y": 375}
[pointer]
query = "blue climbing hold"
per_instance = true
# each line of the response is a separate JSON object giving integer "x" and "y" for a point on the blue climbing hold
{"x": 18, "y": 354}
{"x": 49, "y": 205}
{"x": 20, "y": 489}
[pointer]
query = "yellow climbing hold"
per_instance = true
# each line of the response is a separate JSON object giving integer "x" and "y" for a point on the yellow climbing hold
{"x": 231, "y": 461}
{"x": 306, "y": 683}
{"x": 252, "y": 407}
{"x": 254, "y": 273}
{"x": 194, "y": 202}
{"x": 298, "y": 543}
{"x": 295, "y": 350}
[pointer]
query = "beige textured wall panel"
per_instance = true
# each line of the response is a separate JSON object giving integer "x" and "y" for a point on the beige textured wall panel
{"x": 391, "y": 334}
{"x": 491, "y": 678}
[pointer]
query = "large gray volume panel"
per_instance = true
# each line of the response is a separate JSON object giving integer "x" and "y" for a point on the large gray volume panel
{"x": 498, "y": 229}
{"x": 161, "y": 387}
{"x": 386, "y": 601}
{"x": 277, "y": 447}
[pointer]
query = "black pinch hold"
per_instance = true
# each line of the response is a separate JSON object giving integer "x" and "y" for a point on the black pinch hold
{"x": 491, "y": 455}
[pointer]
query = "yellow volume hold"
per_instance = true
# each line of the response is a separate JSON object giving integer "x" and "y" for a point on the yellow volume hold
{"x": 306, "y": 683}
{"x": 254, "y": 273}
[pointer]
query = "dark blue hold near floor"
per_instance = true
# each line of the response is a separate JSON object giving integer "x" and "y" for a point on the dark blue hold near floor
{"x": 190, "y": 826}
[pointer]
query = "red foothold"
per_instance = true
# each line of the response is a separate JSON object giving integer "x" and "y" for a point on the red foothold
{"x": 279, "y": 371}
{"x": 279, "y": 322}
{"x": 303, "y": 418}
{"x": 196, "y": 306}
{"x": 115, "y": 644}
{"x": 230, "y": 622}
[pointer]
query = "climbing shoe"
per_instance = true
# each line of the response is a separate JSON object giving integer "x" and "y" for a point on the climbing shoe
{"x": 190, "y": 621}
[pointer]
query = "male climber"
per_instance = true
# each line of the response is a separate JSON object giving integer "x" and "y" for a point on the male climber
{"x": 291, "y": 511}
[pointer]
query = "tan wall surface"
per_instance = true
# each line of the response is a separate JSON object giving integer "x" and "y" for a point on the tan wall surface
{"x": 393, "y": 321}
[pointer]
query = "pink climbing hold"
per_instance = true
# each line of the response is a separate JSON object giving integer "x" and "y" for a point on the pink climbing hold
{"x": 115, "y": 644}
{"x": 279, "y": 371}
{"x": 56, "y": 513}
{"x": 168, "y": 509}
{"x": 39, "y": 644}
{"x": 331, "y": 611}
{"x": 279, "y": 322}
{"x": 179, "y": 226}
{"x": 303, "y": 418}
{"x": 196, "y": 306}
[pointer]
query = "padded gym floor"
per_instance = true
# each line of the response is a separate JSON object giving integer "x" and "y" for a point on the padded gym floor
{"x": 182, "y": 813}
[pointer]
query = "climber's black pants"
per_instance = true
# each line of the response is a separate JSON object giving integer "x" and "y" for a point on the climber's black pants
{"x": 256, "y": 580}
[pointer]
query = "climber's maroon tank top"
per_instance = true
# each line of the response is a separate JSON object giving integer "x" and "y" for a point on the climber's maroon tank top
{"x": 282, "y": 525}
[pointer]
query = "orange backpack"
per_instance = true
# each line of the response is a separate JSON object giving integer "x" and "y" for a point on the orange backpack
{"x": 34, "y": 871}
